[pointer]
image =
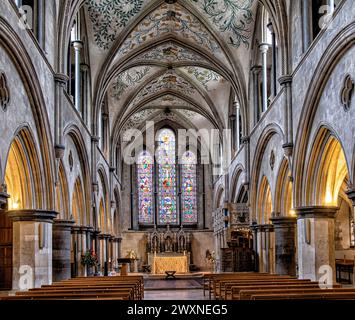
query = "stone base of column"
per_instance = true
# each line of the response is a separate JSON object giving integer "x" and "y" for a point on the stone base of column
{"x": 32, "y": 248}
{"x": 61, "y": 249}
{"x": 316, "y": 245}
{"x": 285, "y": 248}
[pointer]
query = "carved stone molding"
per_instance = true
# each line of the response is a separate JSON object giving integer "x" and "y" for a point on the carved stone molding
{"x": 4, "y": 92}
{"x": 347, "y": 92}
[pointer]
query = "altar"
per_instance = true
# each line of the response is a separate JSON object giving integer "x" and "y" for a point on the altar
{"x": 169, "y": 262}
{"x": 169, "y": 250}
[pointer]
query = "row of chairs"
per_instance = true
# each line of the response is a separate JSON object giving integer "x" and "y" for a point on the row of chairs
{"x": 263, "y": 286}
{"x": 87, "y": 288}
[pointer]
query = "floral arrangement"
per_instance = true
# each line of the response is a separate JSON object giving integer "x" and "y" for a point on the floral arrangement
{"x": 211, "y": 256}
{"x": 89, "y": 259}
{"x": 132, "y": 254}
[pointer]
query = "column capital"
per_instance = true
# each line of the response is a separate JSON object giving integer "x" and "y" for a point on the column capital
{"x": 256, "y": 69}
{"x": 316, "y": 212}
{"x": 35, "y": 215}
{"x": 281, "y": 222}
{"x": 77, "y": 44}
{"x": 75, "y": 229}
{"x": 84, "y": 67}
{"x": 245, "y": 139}
{"x": 61, "y": 79}
{"x": 59, "y": 151}
{"x": 63, "y": 224}
{"x": 285, "y": 80}
{"x": 351, "y": 195}
{"x": 264, "y": 47}
{"x": 3, "y": 199}
{"x": 95, "y": 139}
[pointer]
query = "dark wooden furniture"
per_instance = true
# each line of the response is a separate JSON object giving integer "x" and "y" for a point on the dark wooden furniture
{"x": 170, "y": 275}
{"x": 344, "y": 266}
{"x": 237, "y": 259}
{"x": 125, "y": 262}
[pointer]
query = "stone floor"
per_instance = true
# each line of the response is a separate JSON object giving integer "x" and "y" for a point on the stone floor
{"x": 185, "y": 294}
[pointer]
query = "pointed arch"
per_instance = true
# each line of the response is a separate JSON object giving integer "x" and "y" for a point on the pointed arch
{"x": 78, "y": 203}
{"x": 62, "y": 194}
{"x": 327, "y": 168}
{"x": 264, "y": 202}
{"x": 283, "y": 192}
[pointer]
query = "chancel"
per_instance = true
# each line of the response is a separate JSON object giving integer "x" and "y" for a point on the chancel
{"x": 177, "y": 149}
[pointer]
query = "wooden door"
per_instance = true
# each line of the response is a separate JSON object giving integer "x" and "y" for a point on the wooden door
{"x": 5, "y": 252}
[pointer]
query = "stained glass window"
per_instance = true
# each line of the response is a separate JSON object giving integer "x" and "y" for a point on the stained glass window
{"x": 145, "y": 187}
{"x": 167, "y": 177}
{"x": 188, "y": 187}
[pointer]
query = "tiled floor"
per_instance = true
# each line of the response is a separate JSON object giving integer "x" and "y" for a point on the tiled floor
{"x": 185, "y": 294}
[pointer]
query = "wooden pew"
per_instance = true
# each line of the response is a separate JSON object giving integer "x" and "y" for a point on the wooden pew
{"x": 248, "y": 294}
{"x": 307, "y": 296}
{"x": 235, "y": 290}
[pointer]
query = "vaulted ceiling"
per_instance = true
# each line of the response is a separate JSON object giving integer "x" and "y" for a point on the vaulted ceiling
{"x": 180, "y": 60}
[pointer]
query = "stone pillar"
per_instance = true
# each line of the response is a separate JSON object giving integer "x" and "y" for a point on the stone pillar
{"x": 83, "y": 249}
{"x": 237, "y": 123}
{"x": 306, "y": 23}
{"x": 269, "y": 248}
{"x": 274, "y": 60}
{"x": 119, "y": 251}
{"x": 256, "y": 74}
{"x": 260, "y": 248}
{"x": 96, "y": 247}
{"x": 316, "y": 245}
{"x": 254, "y": 229}
{"x": 264, "y": 48}
{"x": 61, "y": 243}
{"x": 76, "y": 250}
{"x": 285, "y": 246}
{"x": 32, "y": 248}
{"x": 78, "y": 45}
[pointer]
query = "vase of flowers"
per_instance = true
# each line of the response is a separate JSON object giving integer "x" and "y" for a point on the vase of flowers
{"x": 90, "y": 261}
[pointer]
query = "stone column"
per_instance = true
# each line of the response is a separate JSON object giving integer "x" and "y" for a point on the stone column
{"x": 254, "y": 229}
{"x": 274, "y": 60}
{"x": 269, "y": 248}
{"x": 264, "y": 48}
{"x": 32, "y": 248}
{"x": 306, "y": 22}
{"x": 83, "y": 249}
{"x": 76, "y": 249}
{"x": 78, "y": 45}
{"x": 237, "y": 123}
{"x": 96, "y": 247}
{"x": 285, "y": 246}
{"x": 61, "y": 243}
{"x": 119, "y": 251}
{"x": 256, "y": 74}
{"x": 316, "y": 245}
{"x": 260, "y": 247}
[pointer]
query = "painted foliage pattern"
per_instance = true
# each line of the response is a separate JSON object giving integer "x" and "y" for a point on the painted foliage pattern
{"x": 169, "y": 19}
{"x": 128, "y": 79}
{"x": 230, "y": 16}
{"x": 109, "y": 17}
{"x": 188, "y": 187}
{"x": 167, "y": 177}
{"x": 169, "y": 101}
{"x": 170, "y": 52}
{"x": 138, "y": 118}
{"x": 204, "y": 76}
{"x": 168, "y": 81}
{"x": 145, "y": 187}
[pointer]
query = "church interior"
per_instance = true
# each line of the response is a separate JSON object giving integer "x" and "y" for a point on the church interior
{"x": 177, "y": 149}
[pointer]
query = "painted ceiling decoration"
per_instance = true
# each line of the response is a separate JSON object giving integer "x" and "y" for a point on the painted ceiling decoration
{"x": 202, "y": 75}
{"x": 127, "y": 79}
{"x": 168, "y": 81}
{"x": 169, "y": 52}
{"x": 109, "y": 17}
{"x": 231, "y": 17}
{"x": 136, "y": 119}
{"x": 171, "y": 101}
{"x": 170, "y": 19}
